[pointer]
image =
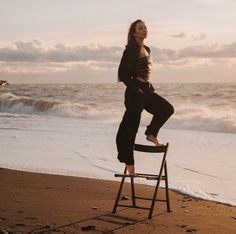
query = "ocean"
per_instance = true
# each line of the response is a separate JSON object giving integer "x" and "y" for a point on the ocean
{"x": 70, "y": 129}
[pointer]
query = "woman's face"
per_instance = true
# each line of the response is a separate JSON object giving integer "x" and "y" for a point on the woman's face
{"x": 140, "y": 30}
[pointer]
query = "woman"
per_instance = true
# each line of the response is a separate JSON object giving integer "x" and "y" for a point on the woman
{"x": 134, "y": 71}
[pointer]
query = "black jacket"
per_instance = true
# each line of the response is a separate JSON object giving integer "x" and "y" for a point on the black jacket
{"x": 126, "y": 70}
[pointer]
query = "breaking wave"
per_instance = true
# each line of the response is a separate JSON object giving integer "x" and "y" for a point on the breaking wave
{"x": 10, "y": 103}
{"x": 205, "y": 108}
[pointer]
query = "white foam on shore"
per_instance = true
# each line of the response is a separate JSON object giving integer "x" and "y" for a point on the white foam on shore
{"x": 200, "y": 164}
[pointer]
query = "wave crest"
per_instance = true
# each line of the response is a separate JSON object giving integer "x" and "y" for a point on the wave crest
{"x": 11, "y": 103}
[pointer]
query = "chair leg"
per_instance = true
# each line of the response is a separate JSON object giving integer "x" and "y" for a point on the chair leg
{"x": 133, "y": 191}
{"x": 158, "y": 183}
{"x": 154, "y": 199}
{"x": 119, "y": 192}
{"x": 167, "y": 189}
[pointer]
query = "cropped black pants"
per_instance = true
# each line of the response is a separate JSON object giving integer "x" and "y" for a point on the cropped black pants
{"x": 135, "y": 102}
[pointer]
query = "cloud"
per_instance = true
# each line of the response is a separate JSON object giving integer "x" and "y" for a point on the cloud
{"x": 179, "y": 35}
{"x": 201, "y": 51}
{"x": 36, "y": 51}
{"x": 37, "y": 58}
{"x": 51, "y": 67}
{"x": 199, "y": 36}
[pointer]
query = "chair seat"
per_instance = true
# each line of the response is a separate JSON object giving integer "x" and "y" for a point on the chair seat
{"x": 150, "y": 148}
{"x": 140, "y": 175}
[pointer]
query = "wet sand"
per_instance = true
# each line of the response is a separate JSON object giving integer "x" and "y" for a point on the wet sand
{"x": 43, "y": 203}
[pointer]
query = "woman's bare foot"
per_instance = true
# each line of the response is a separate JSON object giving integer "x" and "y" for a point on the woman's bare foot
{"x": 154, "y": 140}
{"x": 130, "y": 169}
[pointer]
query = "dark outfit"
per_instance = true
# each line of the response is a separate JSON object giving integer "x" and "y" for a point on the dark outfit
{"x": 135, "y": 73}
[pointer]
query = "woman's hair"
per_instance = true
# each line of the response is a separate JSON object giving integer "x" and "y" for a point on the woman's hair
{"x": 132, "y": 49}
{"x": 132, "y": 28}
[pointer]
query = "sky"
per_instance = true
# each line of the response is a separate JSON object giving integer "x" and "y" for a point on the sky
{"x": 82, "y": 41}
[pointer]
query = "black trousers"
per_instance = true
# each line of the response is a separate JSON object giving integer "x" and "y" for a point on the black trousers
{"x": 135, "y": 102}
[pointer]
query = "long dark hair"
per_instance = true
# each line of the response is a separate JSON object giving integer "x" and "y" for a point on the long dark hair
{"x": 131, "y": 38}
{"x": 132, "y": 45}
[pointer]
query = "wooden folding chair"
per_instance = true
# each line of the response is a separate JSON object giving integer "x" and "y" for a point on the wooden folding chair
{"x": 158, "y": 178}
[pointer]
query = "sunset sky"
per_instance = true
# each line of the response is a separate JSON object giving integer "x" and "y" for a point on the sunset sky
{"x": 73, "y": 41}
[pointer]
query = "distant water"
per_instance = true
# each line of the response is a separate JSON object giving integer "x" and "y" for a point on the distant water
{"x": 70, "y": 129}
{"x": 203, "y": 107}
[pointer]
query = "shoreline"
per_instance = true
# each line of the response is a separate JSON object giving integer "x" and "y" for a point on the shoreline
{"x": 107, "y": 179}
{"x": 44, "y": 203}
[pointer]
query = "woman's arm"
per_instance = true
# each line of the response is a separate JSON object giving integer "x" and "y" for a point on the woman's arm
{"x": 126, "y": 67}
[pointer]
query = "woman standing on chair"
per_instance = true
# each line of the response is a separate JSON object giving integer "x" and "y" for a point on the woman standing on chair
{"x": 134, "y": 70}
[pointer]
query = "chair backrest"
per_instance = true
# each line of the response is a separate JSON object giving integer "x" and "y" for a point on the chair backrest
{"x": 153, "y": 149}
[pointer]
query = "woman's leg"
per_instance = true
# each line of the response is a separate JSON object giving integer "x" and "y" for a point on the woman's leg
{"x": 161, "y": 110}
{"x": 126, "y": 134}
{"x": 128, "y": 128}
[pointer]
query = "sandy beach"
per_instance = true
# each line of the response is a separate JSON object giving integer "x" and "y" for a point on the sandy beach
{"x": 43, "y": 203}
{"x": 83, "y": 82}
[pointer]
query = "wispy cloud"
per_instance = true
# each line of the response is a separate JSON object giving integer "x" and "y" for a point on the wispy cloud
{"x": 179, "y": 35}
{"x": 199, "y": 36}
